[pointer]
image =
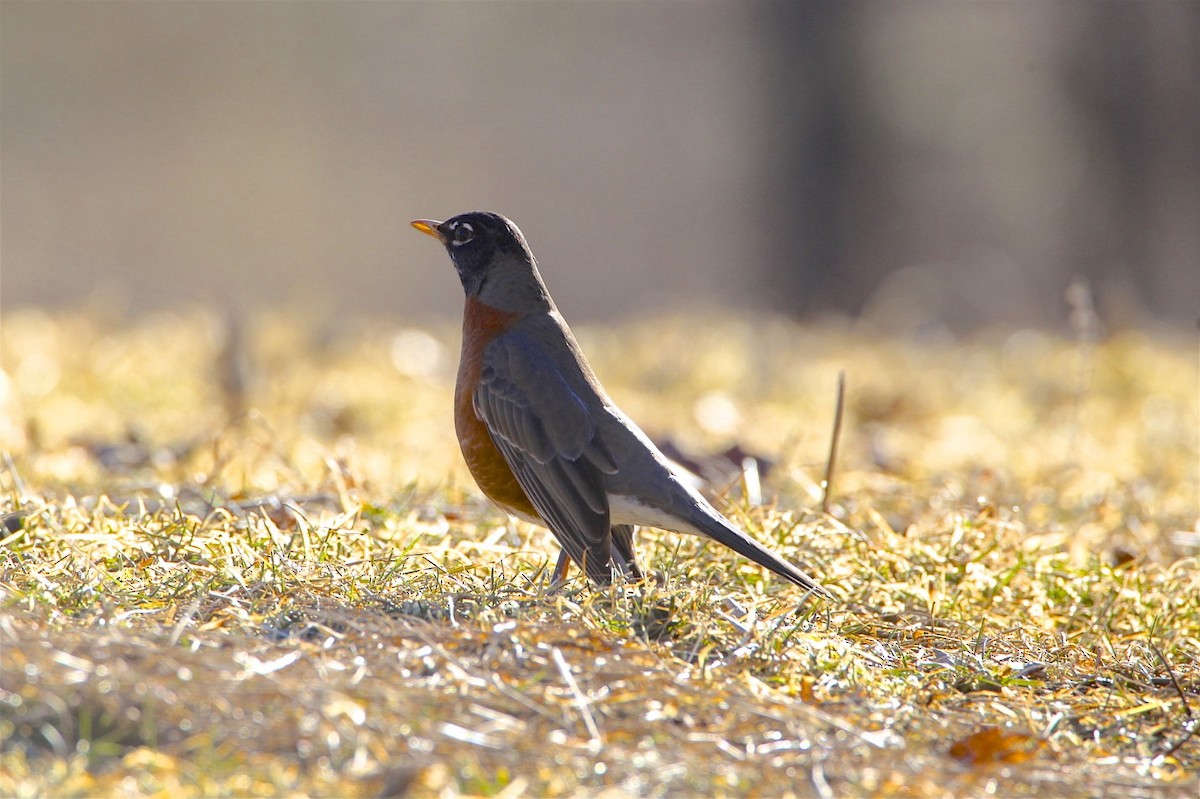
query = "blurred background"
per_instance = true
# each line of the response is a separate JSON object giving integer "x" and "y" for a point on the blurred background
{"x": 924, "y": 166}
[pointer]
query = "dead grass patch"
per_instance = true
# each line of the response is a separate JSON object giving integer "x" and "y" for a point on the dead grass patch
{"x": 314, "y": 600}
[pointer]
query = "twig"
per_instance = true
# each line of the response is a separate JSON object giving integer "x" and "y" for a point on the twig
{"x": 819, "y": 782}
{"x": 1191, "y": 726}
{"x": 233, "y": 367}
{"x": 580, "y": 701}
{"x": 1170, "y": 673}
{"x": 833, "y": 442}
{"x": 752, "y": 481}
{"x": 18, "y": 483}
{"x": 1085, "y": 323}
{"x": 184, "y": 620}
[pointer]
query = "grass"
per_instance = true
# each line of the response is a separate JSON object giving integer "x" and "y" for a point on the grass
{"x": 313, "y": 599}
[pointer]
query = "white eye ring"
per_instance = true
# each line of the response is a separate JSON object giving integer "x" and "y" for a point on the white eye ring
{"x": 462, "y": 233}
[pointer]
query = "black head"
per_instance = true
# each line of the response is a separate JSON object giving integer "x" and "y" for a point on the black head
{"x": 477, "y": 242}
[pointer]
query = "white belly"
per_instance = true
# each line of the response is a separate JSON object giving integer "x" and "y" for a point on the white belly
{"x": 624, "y": 509}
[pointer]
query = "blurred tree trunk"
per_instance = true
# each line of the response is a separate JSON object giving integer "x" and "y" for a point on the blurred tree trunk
{"x": 808, "y": 147}
{"x": 1132, "y": 72}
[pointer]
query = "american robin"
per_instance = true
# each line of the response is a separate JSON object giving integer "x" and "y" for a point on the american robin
{"x": 541, "y": 437}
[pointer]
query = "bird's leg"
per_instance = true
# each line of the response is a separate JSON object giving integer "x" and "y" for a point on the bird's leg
{"x": 622, "y": 552}
{"x": 560, "y": 571}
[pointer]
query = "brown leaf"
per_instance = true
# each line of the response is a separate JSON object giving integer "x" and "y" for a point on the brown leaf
{"x": 993, "y": 745}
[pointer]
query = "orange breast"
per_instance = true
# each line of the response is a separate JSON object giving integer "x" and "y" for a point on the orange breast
{"x": 482, "y": 323}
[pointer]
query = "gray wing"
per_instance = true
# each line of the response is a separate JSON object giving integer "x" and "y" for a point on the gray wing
{"x": 545, "y": 432}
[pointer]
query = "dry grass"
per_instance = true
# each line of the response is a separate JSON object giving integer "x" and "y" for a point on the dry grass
{"x": 315, "y": 600}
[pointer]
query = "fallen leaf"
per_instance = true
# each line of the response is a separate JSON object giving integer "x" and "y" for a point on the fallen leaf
{"x": 993, "y": 745}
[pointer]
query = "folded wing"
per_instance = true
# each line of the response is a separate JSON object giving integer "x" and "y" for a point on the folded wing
{"x": 544, "y": 431}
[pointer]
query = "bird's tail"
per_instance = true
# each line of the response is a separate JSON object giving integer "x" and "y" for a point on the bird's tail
{"x": 722, "y": 531}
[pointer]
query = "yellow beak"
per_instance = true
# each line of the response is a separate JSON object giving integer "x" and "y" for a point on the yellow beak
{"x": 430, "y": 228}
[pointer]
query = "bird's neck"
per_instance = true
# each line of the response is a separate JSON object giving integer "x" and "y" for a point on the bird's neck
{"x": 517, "y": 290}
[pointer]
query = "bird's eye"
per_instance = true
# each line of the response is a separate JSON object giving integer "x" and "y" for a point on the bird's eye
{"x": 462, "y": 234}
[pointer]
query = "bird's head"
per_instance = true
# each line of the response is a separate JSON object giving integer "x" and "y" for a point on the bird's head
{"x": 492, "y": 259}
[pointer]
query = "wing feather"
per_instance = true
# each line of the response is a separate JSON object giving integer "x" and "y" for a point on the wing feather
{"x": 544, "y": 430}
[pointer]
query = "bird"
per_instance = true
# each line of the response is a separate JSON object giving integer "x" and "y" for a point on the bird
{"x": 541, "y": 436}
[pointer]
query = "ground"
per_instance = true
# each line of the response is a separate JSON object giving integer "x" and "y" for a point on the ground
{"x": 244, "y": 559}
